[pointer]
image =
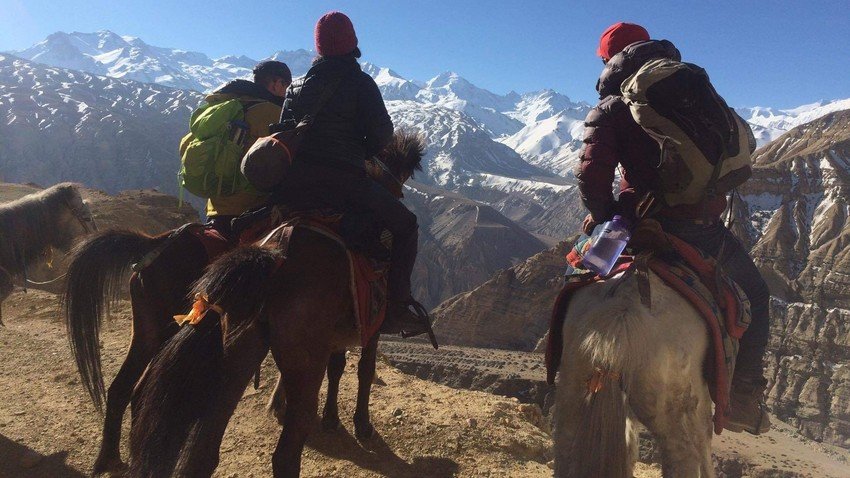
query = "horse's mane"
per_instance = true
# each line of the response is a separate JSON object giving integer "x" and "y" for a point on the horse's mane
{"x": 404, "y": 153}
{"x": 28, "y": 226}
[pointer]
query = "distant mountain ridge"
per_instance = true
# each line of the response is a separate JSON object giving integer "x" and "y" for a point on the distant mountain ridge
{"x": 544, "y": 127}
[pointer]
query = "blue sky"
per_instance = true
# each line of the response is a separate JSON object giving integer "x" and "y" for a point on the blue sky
{"x": 769, "y": 53}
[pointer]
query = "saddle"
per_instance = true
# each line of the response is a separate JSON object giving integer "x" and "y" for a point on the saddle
{"x": 366, "y": 244}
{"x": 720, "y": 301}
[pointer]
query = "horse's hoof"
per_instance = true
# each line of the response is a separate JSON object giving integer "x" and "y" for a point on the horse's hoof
{"x": 111, "y": 467}
{"x": 364, "y": 432}
{"x": 330, "y": 423}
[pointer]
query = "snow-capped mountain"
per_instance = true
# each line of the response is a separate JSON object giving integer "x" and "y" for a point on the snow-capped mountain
{"x": 61, "y": 125}
{"x": 769, "y": 124}
{"x": 392, "y": 85}
{"x": 460, "y": 151}
{"x": 108, "y": 54}
{"x": 796, "y": 214}
{"x": 451, "y": 91}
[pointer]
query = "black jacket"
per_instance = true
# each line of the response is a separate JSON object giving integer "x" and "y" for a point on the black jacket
{"x": 352, "y": 125}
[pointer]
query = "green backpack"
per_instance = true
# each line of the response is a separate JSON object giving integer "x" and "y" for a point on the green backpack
{"x": 212, "y": 151}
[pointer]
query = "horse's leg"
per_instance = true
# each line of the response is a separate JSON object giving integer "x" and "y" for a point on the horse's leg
{"x": 363, "y": 428}
{"x": 302, "y": 402}
{"x": 242, "y": 355}
{"x": 6, "y": 287}
{"x": 569, "y": 396}
{"x": 150, "y": 330}
{"x": 679, "y": 418}
{"x": 330, "y": 415}
{"x": 632, "y": 440}
{"x": 277, "y": 404}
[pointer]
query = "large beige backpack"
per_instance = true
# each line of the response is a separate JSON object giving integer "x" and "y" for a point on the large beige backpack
{"x": 705, "y": 145}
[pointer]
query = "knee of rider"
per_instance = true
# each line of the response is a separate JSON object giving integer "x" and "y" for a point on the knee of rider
{"x": 758, "y": 292}
{"x": 410, "y": 225}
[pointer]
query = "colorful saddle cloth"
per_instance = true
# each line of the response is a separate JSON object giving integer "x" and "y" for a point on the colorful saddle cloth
{"x": 368, "y": 275}
{"x": 698, "y": 278}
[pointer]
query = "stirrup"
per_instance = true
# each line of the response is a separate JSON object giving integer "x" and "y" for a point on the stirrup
{"x": 423, "y": 315}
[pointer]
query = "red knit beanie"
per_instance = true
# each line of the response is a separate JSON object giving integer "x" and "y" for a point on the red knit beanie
{"x": 335, "y": 35}
{"x": 618, "y": 36}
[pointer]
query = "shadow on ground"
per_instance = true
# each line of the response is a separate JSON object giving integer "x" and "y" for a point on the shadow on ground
{"x": 377, "y": 456}
{"x": 20, "y": 461}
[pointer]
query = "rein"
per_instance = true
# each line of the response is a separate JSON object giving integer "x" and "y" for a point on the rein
{"x": 386, "y": 169}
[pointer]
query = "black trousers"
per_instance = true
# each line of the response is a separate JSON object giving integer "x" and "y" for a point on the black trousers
{"x": 222, "y": 225}
{"x": 349, "y": 189}
{"x": 717, "y": 241}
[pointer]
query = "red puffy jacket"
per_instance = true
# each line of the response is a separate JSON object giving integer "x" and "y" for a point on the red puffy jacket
{"x": 612, "y": 138}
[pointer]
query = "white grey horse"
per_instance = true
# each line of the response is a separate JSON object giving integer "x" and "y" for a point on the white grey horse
{"x": 624, "y": 362}
{"x": 36, "y": 224}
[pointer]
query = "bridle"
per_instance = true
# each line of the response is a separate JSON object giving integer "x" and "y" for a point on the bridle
{"x": 86, "y": 220}
{"x": 85, "y": 217}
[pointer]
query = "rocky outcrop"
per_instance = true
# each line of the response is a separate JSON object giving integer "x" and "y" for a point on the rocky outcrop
{"x": 809, "y": 362}
{"x": 510, "y": 311}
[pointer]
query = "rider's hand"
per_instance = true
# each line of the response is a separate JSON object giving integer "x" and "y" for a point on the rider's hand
{"x": 588, "y": 224}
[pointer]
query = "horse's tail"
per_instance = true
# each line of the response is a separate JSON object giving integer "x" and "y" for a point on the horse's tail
{"x": 98, "y": 266}
{"x": 603, "y": 424}
{"x": 181, "y": 382}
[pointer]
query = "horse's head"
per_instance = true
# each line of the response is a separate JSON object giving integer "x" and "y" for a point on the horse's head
{"x": 397, "y": 163}
{"x": 78, "y": 207}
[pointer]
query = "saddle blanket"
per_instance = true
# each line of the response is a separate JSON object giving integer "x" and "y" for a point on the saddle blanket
{"x": 368, "y": 276}
{"x": 720, "y": 302}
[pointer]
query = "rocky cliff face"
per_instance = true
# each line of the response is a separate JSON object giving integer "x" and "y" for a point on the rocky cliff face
{"x": 797, "y": 206}
{"x": 510, "y": 311}
{"x": 809, "y": 366}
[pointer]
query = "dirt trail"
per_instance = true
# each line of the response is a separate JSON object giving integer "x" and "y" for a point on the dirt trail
{"x": 49, "y": 429}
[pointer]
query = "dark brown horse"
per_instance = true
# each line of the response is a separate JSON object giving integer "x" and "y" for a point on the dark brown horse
{"x": 159, "y": 291}
{"x": 32, "y": 226}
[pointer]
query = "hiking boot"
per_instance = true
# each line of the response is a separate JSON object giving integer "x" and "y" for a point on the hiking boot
{"x": 747, "y": 410}
{"x": 400, "y": 319}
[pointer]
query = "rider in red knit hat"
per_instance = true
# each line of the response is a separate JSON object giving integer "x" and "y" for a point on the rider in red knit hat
{"x": 353, "y": 125}
{"x": 618, "y": 36}
{"x": 334, "y": 35}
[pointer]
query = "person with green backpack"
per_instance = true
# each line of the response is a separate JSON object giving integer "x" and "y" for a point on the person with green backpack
{"x": 221, "y": 130}
{"x": 680, "y": 150}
